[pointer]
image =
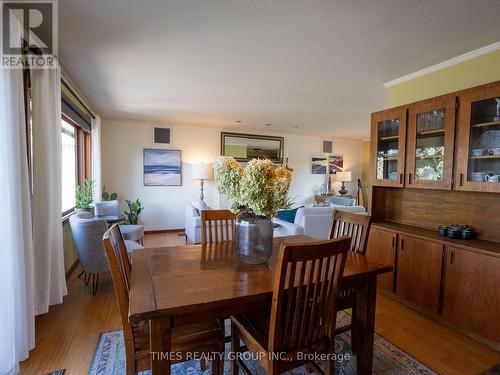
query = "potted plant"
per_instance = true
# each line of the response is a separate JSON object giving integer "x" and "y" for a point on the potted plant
{"x": 261, "y": 188}
{"x": 83, "y": 196}
{"x": 134, "y": 210}
{"x": 108, "y": 196}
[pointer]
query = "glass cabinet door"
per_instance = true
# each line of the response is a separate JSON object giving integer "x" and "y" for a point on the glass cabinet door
{"x": 479, "y": 140}
{"x": 431, "y": 128}
{"x": 388, "y": 147}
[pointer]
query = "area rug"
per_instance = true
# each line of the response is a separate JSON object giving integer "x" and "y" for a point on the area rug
{"x": 495, "y": 370}
{"x": 388, "y": 359}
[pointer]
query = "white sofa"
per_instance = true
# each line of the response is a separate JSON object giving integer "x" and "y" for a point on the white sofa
{"x": 192, "y": 222}
{"x": 312, "y": 221}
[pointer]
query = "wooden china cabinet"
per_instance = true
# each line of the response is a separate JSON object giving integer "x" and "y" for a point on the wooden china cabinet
{"x": 478, "y": 141}
{"x": 430, "y": 141}
{"x": 437, "y": 161}
{"x": 388, "y": 141}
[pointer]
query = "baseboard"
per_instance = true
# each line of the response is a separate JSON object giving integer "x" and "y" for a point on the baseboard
{"x": 72, "y": 268}
{"x": 160, "y": 231}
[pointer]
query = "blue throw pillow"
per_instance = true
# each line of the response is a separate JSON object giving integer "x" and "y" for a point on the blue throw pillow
{"x": 288, "y": 215}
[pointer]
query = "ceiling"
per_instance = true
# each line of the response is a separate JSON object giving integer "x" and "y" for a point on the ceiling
{"x": 308, "y": 67}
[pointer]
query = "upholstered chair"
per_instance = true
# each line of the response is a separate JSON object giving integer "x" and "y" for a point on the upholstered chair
{"x": 87, "y": 234}
{"x": 132, "y": 232}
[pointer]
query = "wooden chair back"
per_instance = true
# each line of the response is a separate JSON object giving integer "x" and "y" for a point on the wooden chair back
{"x": 356, "y": 226}
{"x": 217, "y": 226}
{"x": 119, "y": 264}
{"x": 306, "y": 286}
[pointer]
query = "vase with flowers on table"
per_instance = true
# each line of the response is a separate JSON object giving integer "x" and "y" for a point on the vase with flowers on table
{"x": 255, "y": 193}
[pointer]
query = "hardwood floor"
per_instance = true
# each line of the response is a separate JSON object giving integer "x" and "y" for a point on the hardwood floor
{"x": 66, "y": 337}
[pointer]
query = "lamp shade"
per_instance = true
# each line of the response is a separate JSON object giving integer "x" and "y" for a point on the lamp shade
{"x": 202, "y": 172}
{"x": 343, "y": 176}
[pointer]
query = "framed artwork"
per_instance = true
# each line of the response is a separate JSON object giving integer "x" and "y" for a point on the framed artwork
{"x": 335, "y": 163}
{"x": 162, "y": 167}
{"x": 319, "y": 164}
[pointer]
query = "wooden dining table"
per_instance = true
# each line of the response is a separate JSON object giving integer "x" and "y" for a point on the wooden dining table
{"x": 183, "y": 284}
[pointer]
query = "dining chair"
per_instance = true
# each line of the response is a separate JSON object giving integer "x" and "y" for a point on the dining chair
{"x": 357, "y": 227}
{"x": 204, "y": 337}
{"x": 217, "y": 226}
{"x": 302, "y": 315}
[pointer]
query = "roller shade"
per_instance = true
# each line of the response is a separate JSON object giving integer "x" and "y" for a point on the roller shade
{"x": 72, "y": 107}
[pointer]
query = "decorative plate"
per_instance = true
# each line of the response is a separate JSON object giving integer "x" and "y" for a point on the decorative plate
{"x": 427, "y": 173}
{"x": 393, "y": 175}
{"x": 489, "y": 139}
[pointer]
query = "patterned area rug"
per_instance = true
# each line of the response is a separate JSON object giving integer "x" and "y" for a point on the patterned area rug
{"x": 109, "y": 359}
{"x": 495, "y": 370}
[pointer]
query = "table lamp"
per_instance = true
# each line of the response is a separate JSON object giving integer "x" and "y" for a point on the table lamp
{"x": 202, "y": 172}
{"x": 343, "y": 177}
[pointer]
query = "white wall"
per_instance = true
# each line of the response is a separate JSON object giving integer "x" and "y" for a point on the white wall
{"x": 123, "y": 142}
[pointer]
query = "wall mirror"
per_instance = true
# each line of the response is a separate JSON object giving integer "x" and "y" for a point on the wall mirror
{"x": 244, "y": 147}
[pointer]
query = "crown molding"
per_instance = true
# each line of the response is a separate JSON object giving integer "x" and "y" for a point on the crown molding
{"x": 445, "y": 64}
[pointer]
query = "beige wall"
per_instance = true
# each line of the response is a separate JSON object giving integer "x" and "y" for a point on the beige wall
{"x": 474, "y": 72}
{"x": 123, "y": 142}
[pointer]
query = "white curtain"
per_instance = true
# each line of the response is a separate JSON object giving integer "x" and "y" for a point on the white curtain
{"x": 17, "y": 317}
{"x": 96, "y": 158}
{"x": 50, "y": 281}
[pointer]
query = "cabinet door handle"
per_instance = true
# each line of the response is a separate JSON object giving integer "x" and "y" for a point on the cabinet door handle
{"x": 409, "y": 178}
{"x": 452, "y": 257}
{"x": 402, "y": 244}
{"x": 461, "y": 179}
{"x": 400, "y": 178}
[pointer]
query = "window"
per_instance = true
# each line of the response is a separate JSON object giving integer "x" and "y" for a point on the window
{"x": 69, "y": 166}
{"x": 76, "y": 146}
{"x": 76, "y": 160}
{"x": 75, "y": 138}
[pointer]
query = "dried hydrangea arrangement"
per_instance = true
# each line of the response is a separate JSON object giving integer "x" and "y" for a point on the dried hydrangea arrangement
{"x": 261, "y": 186}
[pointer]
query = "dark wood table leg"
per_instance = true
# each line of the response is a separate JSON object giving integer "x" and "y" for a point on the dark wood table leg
{"x": 365, "y": 325}
{"x": 160, "y": 330}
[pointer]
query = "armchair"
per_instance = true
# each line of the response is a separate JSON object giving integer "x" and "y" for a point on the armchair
{"x": 87, "y": 233}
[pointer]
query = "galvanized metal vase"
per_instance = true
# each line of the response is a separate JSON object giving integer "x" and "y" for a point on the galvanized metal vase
{"x": 253, "y": 237}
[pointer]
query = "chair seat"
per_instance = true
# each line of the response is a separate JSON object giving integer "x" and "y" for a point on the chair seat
{"x": 196, "y": 337}
{"x": 132, "y": 245}
{"x": 132, "y": 232}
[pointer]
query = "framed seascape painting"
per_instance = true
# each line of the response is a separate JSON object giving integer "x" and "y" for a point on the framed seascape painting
{"x": 162, "y": 167}
{"x": 319, "y": 164}
{"x": 335, "y": 163}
